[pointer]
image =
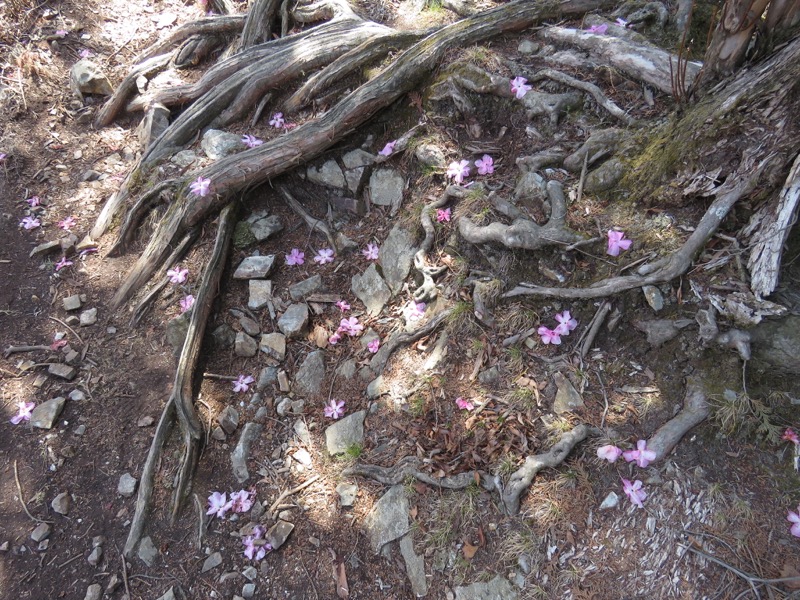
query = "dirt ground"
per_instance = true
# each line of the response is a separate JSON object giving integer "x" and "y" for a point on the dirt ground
{"x": 715, "y": 507}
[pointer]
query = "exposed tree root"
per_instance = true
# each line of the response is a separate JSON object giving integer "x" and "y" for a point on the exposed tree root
{"x": 399, "y": 339}
{"x": 695, "y": 410}
{"x": 313, "y": 223}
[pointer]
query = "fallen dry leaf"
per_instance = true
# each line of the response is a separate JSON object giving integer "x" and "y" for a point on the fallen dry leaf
{"x": 791, "y": 571}
{"x": 469, "y": 550}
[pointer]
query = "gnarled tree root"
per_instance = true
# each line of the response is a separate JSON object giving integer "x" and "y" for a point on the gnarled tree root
{"x": 695, "y": 410}
{"x": 398, "y": 340}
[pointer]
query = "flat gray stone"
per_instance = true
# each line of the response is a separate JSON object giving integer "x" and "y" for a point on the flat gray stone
{"x": 168, "y": 595}
{"x": 184, "y": 158}
{"x": 255, "y": 267}
{"x": 46, "y": 414}
{"x": 303, "y": 289}
{"x": 89, "y": 317}
{"x": 127, "y": 485}
{"x": 347, "y": 494}
{"x": 72, "y": 302}
{"x": 248, "y": 591}
{"x": 249, "y": 326}
{"x": 310, "y": 375}
{"x": 214, "y": 560}
{"x": 567, "y": 397}
{"x": 430, "y": 155}
{"x": 265, "y": 228}
{"x": 386, "y": 188}
{"x": 498, "y": 588}
{"x": 96, "y": 556}
{"x": 260, "y": 293}
{"x": 217, "y": 144}
{"x": 653, "y": 296}
{"x": 345, "y": 432}
{"x": 278, "y": 533}
{"x": 241, "y": 453}
{"x": 228, "y": 419}
{"x": 371, "y": 289}
{"x": 376, "y": 387}
{"x": 62, "y": 503}
{"x": 294, "y": 320}
{"x": 177, "y": 329}
{"x": 93, "y": 592}
{"x": 41, "y": 532}
{"x": 397, "y": 255}
{"x": 388, "y": 519}
{"x": 415, "y": 567}
{"x": 154, "y": 123}
{"x": 357, "y": 158}
{"x": 250, "y": 573}
{"x": 610, "y": 501}
{"x": 268, "y": 376}
{"x": 86, "y": 77}
{"x": 329, "y": 174}
{"x": 244, "y": 345}
{"x": 302, "y": 432}
{"x": 347, "y": 369}
{"x": 148, "y": 553}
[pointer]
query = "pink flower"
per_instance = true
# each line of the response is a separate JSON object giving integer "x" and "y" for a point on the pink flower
{"x": 61, "y": 33}
{"x": 251, "y": 141}
{"x": 63, "y": 263}
{"x": 241, "y": 501}
{"x": 485, "y": 165}
{"x": 416, "y": 310}
{"x": 549, "y": 336}
{"x": 457, "y": 171}
{"x": 371, "y": 251}
{"x": 350, "y": 326}
{"x": 295, "y": 257}
{"x": 2, "y": 156}
{"x": 388, "y": 149}
{"x": 334, "y": 409}
{"x": 33, "y": 201}
{"x": 343, "y": 306}
{"x": 187, "y": 303}
{"x": 616, "y": 242}
{"x": 85, "y": 53}
{"x": 177, "y": 275}
{"x": 243, "y": 383}
{"x": 374, "y": 345}
{"x": 443, "y": 214}
{"x": 200, "y": 186}
{"x": 277, "y": 120}
{"x": 791, "y": 436}
{"x": 252, "y": 550}
{"x": 218, "y": 505}
{"x": 634, "y": 491}
{"x": 464, "y": 404}
{"x": 794, "y": 518}
{"x": 67, "y": 223}
{"x": 325, "y": 255}
{"x": 641, "y": 455}
{"x": 335, "y": 339}
{"x": 519, "y": 87}
{"x": 610, "y": 453}
{"x": 622, "y": 22}
{"x": 24, "y": 414}
{"x": 566, "y": 322}
{"x": 30, "y": 223}
{"x": 598, "y": 29}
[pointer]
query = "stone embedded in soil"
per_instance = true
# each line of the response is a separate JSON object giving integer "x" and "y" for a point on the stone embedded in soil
{"x": 245, "y": 346}
{"x": 93, "y": 592}
{"x": 489, "y": 376}
{"x": 228, "y": 419}
{"x": 214, "y": 560}
{"x": 250, "y": 573}
{"x": 86, "y": 77}
{"x": 567, "y": 397}
{"x": 386, "y": 188}
{"x": 302, "y": 433}
{"x": 347, "y": 369}
{"x": 241, "y": 453}
{"x": 310, "y": 375}
{"x": 255, "y": 267}
{"x": 430, "y": 155}
{"x": 268, "y": 376}
{"x": 45, "y": 247}
{"x": 72, "y": 302}
{"x": 95, "y": 556}
{"x": 610, "y": 501}
{"x": 653, "y": 296}
{"x": 168, "y": 595}
{"x": 248, "y": 590}
{"x": 249, "y": 326}
{"x": 303, "y": 289}
{"x": 45, "y": 415}
{"x": 148, "y": 553}
{"x": 376, "y": 387}
{"x": 218, "y": 434}
{"x": 347, "y": 494}
{"x": 63, "y": 371}
{"x": 415, "y": 567}
{"x": 388, "y": 519}
{"x": 127, "y": 485}
{"x": 345, "y": 433}
{"x": 371, "y": 289}
{"x": 294, "y": 320}
{"x": 283, "y": 381}
{"x": 89, "y": 317}
{"x": 263, "y": 229}
{"x": 329, "y": 174}
{"x": 62, "y": 503}
{"x": 498, "y": 588}
{"x": 217, "y": 144}
{"x": 274, "y": 345}
{"x": 153, "y": 124}
{"x": 177, "y": 327}
{"x": 184, "y": 158}
{"x": 278, "y": 533}
{"x": 260, "y": 293}
{"x": 357, "y": 158}
{"x": 396, "y": 256}
{"x": 113, "y": 584}
{"x": 145, "y": 421}
{"x": 41, "y": 532}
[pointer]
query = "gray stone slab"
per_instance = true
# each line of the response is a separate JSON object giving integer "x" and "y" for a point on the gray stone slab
{"x": 244, "y": 345}
{"x": 498, "y": 588}
{"x": 148, "y": 552}
{"x": 371, "y": 289}
{"x": 303, "y": 289}
{"x": 386, "y": 188}
{"x": 329, "y": 174}
{"x": 263, "y": 229}
{"x": 217, "y": 144}
{"x": 274, "y": 345}
{"x": 255, "y": 267}
{"x": 567, "y": 397}
{"x": 310, "y": 375}
{"x": 415, "y": 567}
{"x": 294, "y": 320}
{"x": 397, "y": 255}
{"x": 388, "y": 519}
{"x": 345, "y": 432}
{"x": 260, "y": 293}
{"x": 46, "y": 414}
{"x": 241, "y": 453}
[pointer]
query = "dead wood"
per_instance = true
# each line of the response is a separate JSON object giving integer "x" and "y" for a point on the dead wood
{"x": 207, "y": 26}
{"x": 410, "y": 467}
{"x": 260, "y": 23}
{"x": 695, "y": 410}
{"x": 397, "y": 340}
{"x": 313, "y": 223}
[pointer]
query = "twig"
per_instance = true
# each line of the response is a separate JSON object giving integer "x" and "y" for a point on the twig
{"x": 311, "y": 579}
{"x": 57, "y": 320}
{"x": 125, "y": 575}
{"x": 73, "y": 559}
{"x": 22, "y": 499}
{"x": 605, "y": 400}
{"x": 220, "y": 377}
{"x": 286, "y": 493}
{"x": 594, "y": 327}
{"x": 14, "y": 349}
{"x": 584, "y": 169}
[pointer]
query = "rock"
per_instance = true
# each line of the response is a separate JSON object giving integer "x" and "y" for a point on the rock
{"x": 77, "y": 396}
{"x": 268, "y": 375}
{"x": 376, "y": 387}
{"x": 148, "y": 553}
{"x": 245, "y": 346}
{"x": 228, "y": 419}
{"x": 72, "y": 302}
{"x": 386, "y": 188}
{"x": 283, "y": 407}
{"x": 184, "y": 158}
{"x": 415, "y": 567}
{"x": 294, "y": 320}
{"x": 95, "y": 556}
{"x": 610, "y": 501}
{"x": 498, "y": 588}
{"x": 86, "y": 77}
{"x": 218, "y": 144}
{"x": 63, "y": 371}
{"x": 62, "y": 503}
{"x": 388, "y": 519}
{"x": 660, "y": 331}
{"x": 263, "y": 229}
{"x": 357, "y": 158}
{"x": 255, "y": 267}
{"x": 248, "y": 590}
{"x": 260, "y": 294}
{"x": 218, "y": 434}
{"x": 345, "y": 433}
{"x": 278, "y": 533}
{"x": 567, "y": 397}
{"x": 113, "y": 584}
{"x": 250, "y": 573}
{"x": 89, "y": 317}
{"x": 310, "y": 375}
{"x": 528, "y": 47}
{"x": 214, "y": 560}
{"x": 300, "y": 291}
{"x": 154, "y": 123}
{"x": 127, "y": 485}
{"x": 168, "y": 595}
{"x": 430, "y": 155}
{"x": 329, "y": 174}
{"x": 776, "y": 344}
{"x": 250, "y": 326}
{"x": 372, "y": 290}
{"x": 301, "y": 430}
{"x": 397, "y": 255}
{"x": 41, "y": 532}
{"x": 93, "y": 592}
{"x": 283, "y": 381}
{"x": 347, "y": 369}
{"x": 653, "y": 296}
{"x": 80, "y": 429}
{"x": 604, "y": 177}
{"x": 347, "y": 494}
{"x": 46, "y": 414}
{"x": 43, "y": 248}
{"x": 274, "y": 345}
{"x": 176, "y": 332}
{"x": 145, "y": 421}
{"x": 241, "y": 453}
{"x": 489, "y": 376}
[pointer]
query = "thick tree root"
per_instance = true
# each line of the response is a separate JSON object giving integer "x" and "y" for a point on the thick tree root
{"x": 409, "y": 467}
{"x": 397, "y": 340}
{"x": 313, "y": 223}
{"x": 695, "y": 410}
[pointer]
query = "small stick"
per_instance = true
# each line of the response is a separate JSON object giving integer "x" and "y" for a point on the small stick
{"x": 200, "y": 526}
{"x": 594, "y": 327}
{"x": 125, "y": 575}
{"x": 286, "y": 493}
{"x": 73, "y": 559}
{"x": 14, "y": 349}
{"x": 22, "y": 499}
{"x": 68, "y": 327}
{"x": 220, "y": 377}
{"x": 583, "y": 177}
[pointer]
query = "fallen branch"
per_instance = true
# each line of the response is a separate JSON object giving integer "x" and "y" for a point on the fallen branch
{"x": 286, "y": 493}
{"x": 397, "y": 340}
{"x": 313, "y": 223}
{"x": 22, "y": 498}
{"x": 695, "y": 410}
{"x": 15, "y": 349}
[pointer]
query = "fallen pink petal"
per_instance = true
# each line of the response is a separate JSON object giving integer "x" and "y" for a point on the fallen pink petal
{"x": 30, "y": 223}
{"x": 634, "y": 492}
{"x": 177, "y": 275}
{"x": 251, "y": 141}
{"x": 25, "y": 409}
{"x": 200, "y": 186}
{"x": 187, "y": 303}
{"x": 485, "y": 165}
{"x": 794, "y": 519}
{"x": 388, "y": 148}
{"x": 63, "y": 263}
{"x": 334, "y": 409}
{"x": 519, "y": 87}
{"x": 641, "y": 456}
{"x": 325, "y": 255}
{"x": 610, "y": 453}
{"x": 242, "y": 384}
{"x": 374, "y": 345}
{"x": 464, "y": 404}
{"x": 790, "y": 435}
{"x": 67, "y": 224}
{"x": 277, "y": 120}
{"x": 295, "y": 257}
{"x": 443, "y": 215}
{"x": 617, "y": 242}
{"x": 457, "y": 171}
{"x": 343, "y": 305}
{"x": 33, "y": 201}
{"x": 549, "y": 336}
{"x": 218, "y": 504}
{"x": 371, "y": 252}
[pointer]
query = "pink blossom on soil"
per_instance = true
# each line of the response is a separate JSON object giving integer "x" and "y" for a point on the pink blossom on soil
{"x": 277, "y": 120}
{"x": 464, "y": 404}
{"x": 519, "y": 87}
{"x": 642, "y": 456}
{"x": 443, "y": 215}
{"x": 388, "y": 148}
{"x": 616, "y": 242}
{"x": 374, "y": 345}
{"x": 343, "y": 305}
{"x": 549, "y": 336}
{"x": 371, "y": 252}
{"x": 30, "y": 223}
{"x": 295, "y": 257}
{"x": 25, "y": 409}
{"x": 634, "y": 492}
{"x": 186, "y": 303}
{"x": 325, "y": 255}
{"x": 242, "y": 384}
{"x": 485, "y": 165}
{"x": 177, "y": 275}
{"x": 63, "y": 263}
{"x": 334, "y": 409}
{"x": 457, "y": 171}
{"x": 610, "y": 453}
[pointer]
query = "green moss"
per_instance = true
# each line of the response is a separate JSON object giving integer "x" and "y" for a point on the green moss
{"x": 243, "y": 235}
